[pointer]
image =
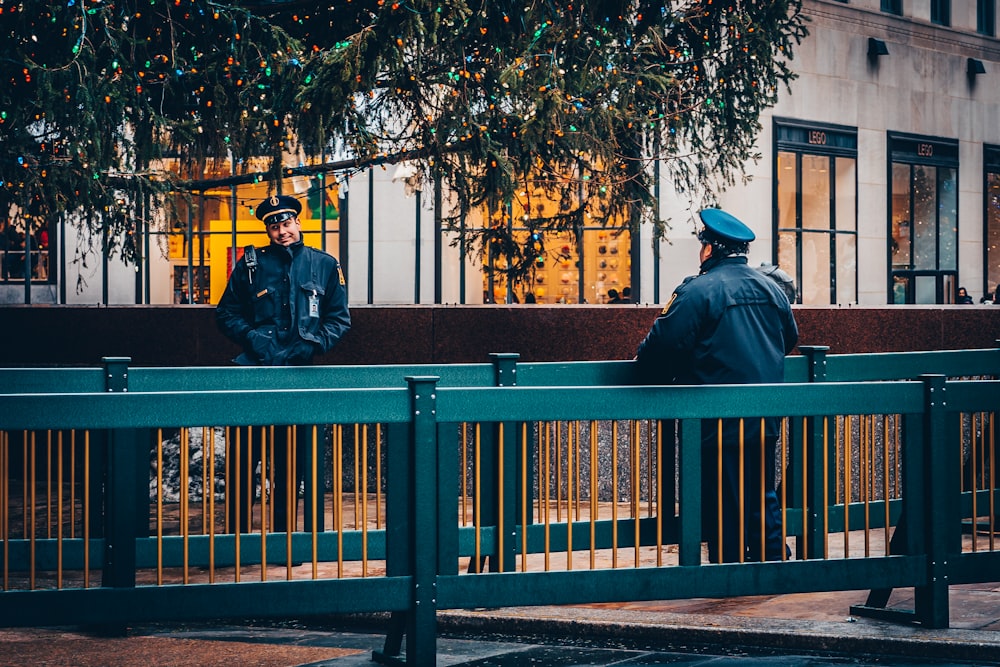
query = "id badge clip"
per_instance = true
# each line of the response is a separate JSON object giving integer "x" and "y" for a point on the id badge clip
{"x": 314, "y": 304}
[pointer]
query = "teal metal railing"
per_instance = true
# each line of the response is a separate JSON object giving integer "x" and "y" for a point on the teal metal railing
{"x": 119, "y": 570}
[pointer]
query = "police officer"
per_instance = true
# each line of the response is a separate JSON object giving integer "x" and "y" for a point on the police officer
{"x": 284, "y": 304}
{"x": 730, "y": 324}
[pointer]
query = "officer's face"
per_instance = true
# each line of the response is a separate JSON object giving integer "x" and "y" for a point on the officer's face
{"x": 285, "y": 232}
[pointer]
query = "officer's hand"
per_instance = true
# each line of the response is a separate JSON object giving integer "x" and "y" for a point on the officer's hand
{"x": 300, "y": 352}
{"x": 260, "y": 342}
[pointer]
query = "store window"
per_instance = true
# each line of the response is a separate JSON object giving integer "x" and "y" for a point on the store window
{"x": 991, "y": 216}
{"x": 986, "y": 17}
{"x": 923, "y": 219}
{"x": 816, "y": 210}
{"x": 588, "y": 264}
{"x": 27, "y": 251}
{"x": 941, "y": 12}
{"x": 558, "y": 274}
{"x": 893, "y": 7}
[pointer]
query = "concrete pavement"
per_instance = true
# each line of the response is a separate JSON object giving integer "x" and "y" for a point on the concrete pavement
{"x": 814, "y": 629}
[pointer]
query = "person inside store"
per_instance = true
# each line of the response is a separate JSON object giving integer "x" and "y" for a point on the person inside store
{"x": 614, "y": 296}
{"x": 730, "y": 324}
{"x": 626, "y": 295}
{"x": 963, "y": 296}
{"x": 284, "y": 304}
{"x": 13, "y": 252}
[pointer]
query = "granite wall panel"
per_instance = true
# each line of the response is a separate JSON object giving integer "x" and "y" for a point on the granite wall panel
{"x": 186, "y": 335}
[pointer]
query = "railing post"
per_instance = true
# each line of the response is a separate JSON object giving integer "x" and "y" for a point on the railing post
{"x": 940, "y": 515}
{"x": 122, "y": 509}
{"x": 123, "y": 488}
{"x": 421, "y": 647}
{"x": 816, "y": 490}
{"x": 508, "y": 460}
{"x": 115, "y": 380}
{"x": 816, "y": 356}
{"x": 420, "y": 621}
{"x": 116, "y": 373}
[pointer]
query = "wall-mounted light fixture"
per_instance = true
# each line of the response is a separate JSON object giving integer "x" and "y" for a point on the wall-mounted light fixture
{"x": 974, "y": 67}
{"x": 876, "y": 48}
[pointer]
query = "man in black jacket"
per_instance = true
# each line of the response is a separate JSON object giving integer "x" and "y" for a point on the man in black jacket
{"x": 284, "y": 304}
{"x": 730, "y": 324}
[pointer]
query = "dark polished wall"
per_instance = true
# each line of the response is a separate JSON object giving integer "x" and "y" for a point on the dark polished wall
{"x": 187, "y": 336}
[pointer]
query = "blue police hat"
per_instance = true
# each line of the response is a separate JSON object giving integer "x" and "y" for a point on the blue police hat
{"x": 278, "y": 209}
{"x": 725, "y": 227}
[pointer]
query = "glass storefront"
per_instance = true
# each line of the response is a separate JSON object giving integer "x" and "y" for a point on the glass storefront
{"x": 816, "y": 210}
{"x": 923, "y": 220}
{"x": 991, "y": 221}
{"x": 558, "y": 275}
{"x": 26, "y": 247}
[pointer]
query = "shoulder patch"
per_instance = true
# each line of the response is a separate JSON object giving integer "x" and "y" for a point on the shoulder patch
{"x": 669, "y": 303}
{"x": 340, "y": 274}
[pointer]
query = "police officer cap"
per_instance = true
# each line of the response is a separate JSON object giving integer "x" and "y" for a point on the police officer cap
{"x": 725, "y": 227}
{"x": 278, "y": 209}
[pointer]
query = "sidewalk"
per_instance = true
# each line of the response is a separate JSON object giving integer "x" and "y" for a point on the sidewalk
{"x": 795, "y": 622}
{"x": 813, "y": 622}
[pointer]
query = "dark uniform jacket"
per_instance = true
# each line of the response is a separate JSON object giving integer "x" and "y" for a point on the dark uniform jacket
{"x": 293, "y": 307}
{"x": 728, "y": 325}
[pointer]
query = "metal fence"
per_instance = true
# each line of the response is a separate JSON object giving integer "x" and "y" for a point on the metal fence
{"x": 479, "y": 485}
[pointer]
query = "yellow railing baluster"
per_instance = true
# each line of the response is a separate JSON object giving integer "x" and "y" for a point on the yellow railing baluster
{"x": 59, "y": 510}
{"x": 546, "y": 518}
{"x": 208, "y": 460}
{"x": 569, "y": 495}
{"x": 159, "y": 507}
{"x": 593, "y": 494}
{"x": 314, "y": 477}
{"x": 658, "y": 443}
{"x": 48, "y": 484}
{"x": 614, "y": 494}
{"x": 183, "y": 493}
{"x": 338, "y": 496}
{"x": 32, "y": 510}
{"x": 364, "y": 499}
{"x": 500, "y": 497}
{"x": 86, "y": 509}
{"x": 741, "y": 543}
{"x": 477, "y": 501}
{"x": 72, "y": 483}
{"x": 848, "y": 455}
{"x": 524, "y": 497}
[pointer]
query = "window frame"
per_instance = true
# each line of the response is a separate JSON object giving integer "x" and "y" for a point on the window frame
{"x": 813, "y": 139}
{"x": 941, "y": 12}
{"x": 894, "y": 7}
{"x": 986, "y": 17}
{"x": 920, "y": 150}
{"x": 991, "y": 168}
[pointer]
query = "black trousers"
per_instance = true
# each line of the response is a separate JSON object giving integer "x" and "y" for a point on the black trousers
{"x": 282, "y": 465}
{"x": 760, "y": 512}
